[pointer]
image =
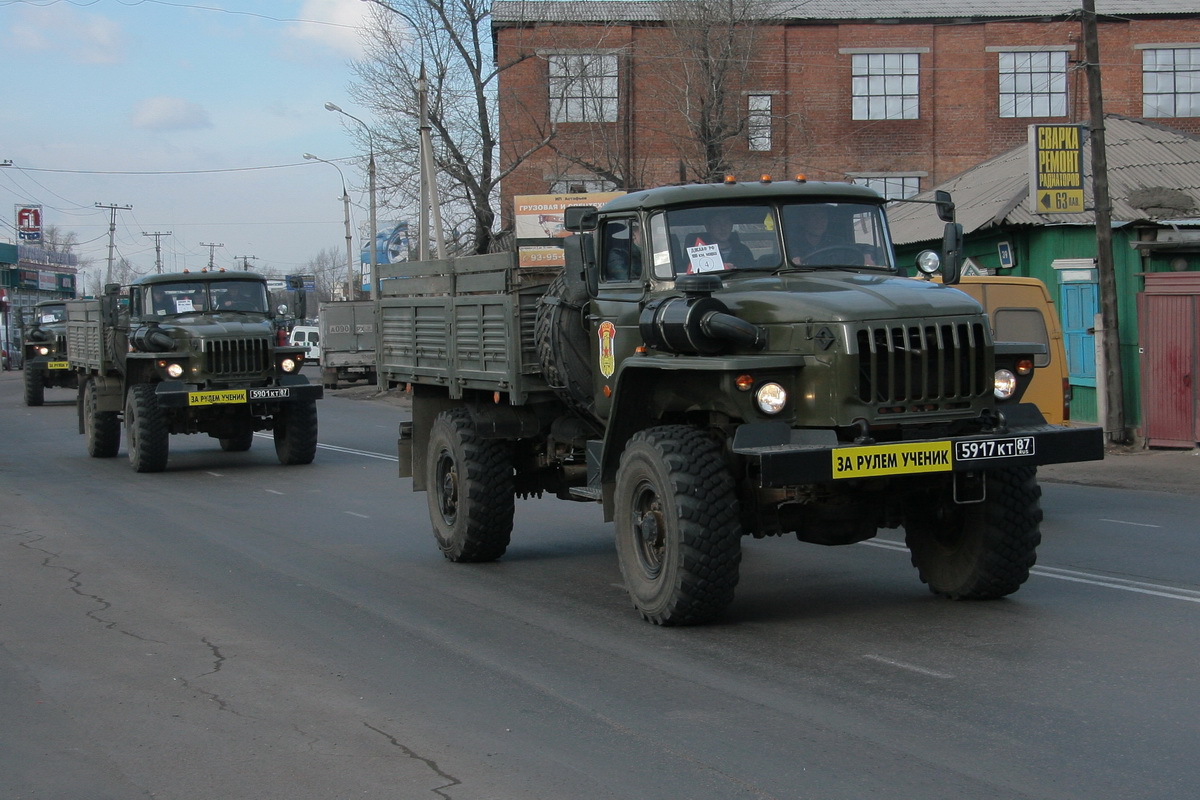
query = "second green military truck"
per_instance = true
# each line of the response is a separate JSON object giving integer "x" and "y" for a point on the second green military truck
{"x": 44, "y": 333}
{"x": 720, "y": 361}
{"x": 188, "y": 352}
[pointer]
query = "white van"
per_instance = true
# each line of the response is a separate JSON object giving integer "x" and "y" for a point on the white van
{"x": 308, "y": 337}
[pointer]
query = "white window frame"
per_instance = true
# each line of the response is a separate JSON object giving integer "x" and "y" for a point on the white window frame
{"x": 1171, "y": 81}
{"x": 885, "y": 84}
{"x": 893, "y": 186}
{"x": 759, "y": 112}
{"x": 582, "y": 85}
{"x": 1032, "y": 82}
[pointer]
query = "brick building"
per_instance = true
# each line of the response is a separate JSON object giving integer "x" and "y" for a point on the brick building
{"x": 898, "y": 94}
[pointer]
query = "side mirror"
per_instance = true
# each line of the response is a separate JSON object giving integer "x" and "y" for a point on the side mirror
{"x": 945, "y": 206}
{"x": 578, "y": 219}
{"x": 952, "y": 244}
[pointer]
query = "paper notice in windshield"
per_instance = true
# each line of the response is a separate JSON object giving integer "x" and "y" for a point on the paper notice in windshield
{"x": 704, "y": 258}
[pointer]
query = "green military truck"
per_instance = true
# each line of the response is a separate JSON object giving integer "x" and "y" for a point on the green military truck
{"x": 44, "y": 333}
{"x": 719, "y": 361}
{"x": 183, "y": 353}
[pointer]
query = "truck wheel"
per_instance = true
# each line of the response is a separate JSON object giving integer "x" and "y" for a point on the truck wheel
{"x": 678, "y": 528}
{"x": 470, "y": 489}
{"x": 295, "y": 433}
{"x": 101, "y": 428}
{"x": 977, "y": 551}
{"x": 146, "y": 435}
{"x": 563, "y": 347}
{"x": 240, "y": 442}
{"x": 35, "y": 388}
{"x": 329, "y": 378}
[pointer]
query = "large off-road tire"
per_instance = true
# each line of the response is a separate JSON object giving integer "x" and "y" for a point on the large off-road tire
{"x": 241, "y": 440}
{"x": 102, "y": 429}
{"x": 147, "y": 439}
{"x": 295, "y": 431}
{"x": 35, "y": 386}
{"x": 563, "y": 347}
{"x": 977, "y": 551}
{"x": 470, "y": 488}
{"x": 678, "y": 528}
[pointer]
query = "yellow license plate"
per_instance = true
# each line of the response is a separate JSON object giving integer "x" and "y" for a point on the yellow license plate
{"x": 216, "y": 397}
{"x": 57, "y": 365}
{"x": 892, "y": 459}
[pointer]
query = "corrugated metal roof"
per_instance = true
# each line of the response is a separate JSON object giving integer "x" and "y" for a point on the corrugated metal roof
{"x": 1153, "y": 174}
{"x": 517, "y": 11}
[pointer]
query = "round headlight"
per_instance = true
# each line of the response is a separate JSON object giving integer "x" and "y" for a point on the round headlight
{"x": 1006, "y": 384}
{"x": 288, "y": 365}
{"x": 928, "y": 262}
{"x": 771, "y": 398}
{"x": 174, "y": 370}
{"x": 43, "y": 351}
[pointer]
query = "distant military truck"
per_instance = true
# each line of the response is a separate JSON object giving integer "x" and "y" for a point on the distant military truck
{"x": 347, "y": 332}
{"x": 45, "y": 336}
{"x": 186, "y": 353}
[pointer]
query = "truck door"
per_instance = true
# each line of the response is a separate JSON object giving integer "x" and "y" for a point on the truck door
{"x": 617, "y": 305}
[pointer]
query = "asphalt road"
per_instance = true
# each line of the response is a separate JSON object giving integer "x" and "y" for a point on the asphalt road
{"x": 232, "y": 629}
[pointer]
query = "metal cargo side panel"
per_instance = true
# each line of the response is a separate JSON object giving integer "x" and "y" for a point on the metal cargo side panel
{"x": 481, "y": 340}
{"x": 84, "y": 342}
{"x": 414, "y": 335}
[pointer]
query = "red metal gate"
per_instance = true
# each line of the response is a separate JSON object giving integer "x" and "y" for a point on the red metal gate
{"x": 1169, "y": 330}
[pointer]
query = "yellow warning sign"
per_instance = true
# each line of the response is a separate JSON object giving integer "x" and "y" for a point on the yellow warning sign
{"x": 1056, "y": 171}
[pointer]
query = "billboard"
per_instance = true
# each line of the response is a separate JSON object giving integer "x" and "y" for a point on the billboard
{"x": 538, "y": 224}
{"x": 391, "y": 244}
{"x": 1056, "y": 169}
{"x": 29, "y": 222}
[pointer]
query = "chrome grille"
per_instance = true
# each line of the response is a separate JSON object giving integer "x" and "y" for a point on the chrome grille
{"x": 922, "y": 367}
{"x": 238, "y": 356}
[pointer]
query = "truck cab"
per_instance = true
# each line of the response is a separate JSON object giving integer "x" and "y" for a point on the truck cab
{"x": 45, "y": 350}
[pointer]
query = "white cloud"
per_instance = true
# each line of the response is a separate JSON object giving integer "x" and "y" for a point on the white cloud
{"x": 169, "y": 114}
{"x": 76, "y": 35}
{"x": 333, "y": 24}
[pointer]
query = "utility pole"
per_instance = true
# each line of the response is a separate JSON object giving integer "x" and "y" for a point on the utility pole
{"x": 212, "y": 247}
{"x": 157, "y": 248}
{"x": 245, "y": 261}
{"x": 112, "y": 232}
{"x": 1114, "y": 386}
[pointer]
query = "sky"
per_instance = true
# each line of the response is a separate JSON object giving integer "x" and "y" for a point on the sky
{"x": 197, "y": 114}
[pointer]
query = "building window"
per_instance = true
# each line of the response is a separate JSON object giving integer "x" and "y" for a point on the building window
{"x": 1171, "y": 82}
{"x": 758, "y": 122}
{"x": 885, "y": 85}
{"x": 1033, "y": 84}
{"x": 577, "y": 185}
{"x": 893, "y": 187}
{"x": 583, "y": 87}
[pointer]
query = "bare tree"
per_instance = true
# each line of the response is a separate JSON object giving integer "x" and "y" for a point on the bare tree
{"x": 711, "y": 42}
{"x": 450, "y": 42}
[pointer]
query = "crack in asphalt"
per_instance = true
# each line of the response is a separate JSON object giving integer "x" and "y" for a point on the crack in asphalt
{"x": 75, "y": 582}
{"x": 438, "y": 790}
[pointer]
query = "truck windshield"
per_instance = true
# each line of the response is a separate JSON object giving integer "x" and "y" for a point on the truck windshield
{"x": 49, "y": 315}
{"x": 184, "y": 297}
{"x": 239, "y": 296}
{"x": 747, "y": 237}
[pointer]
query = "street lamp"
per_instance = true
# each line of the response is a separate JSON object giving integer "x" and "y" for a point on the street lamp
{"x": 370, "y": 189}
{"x": 346, "y": 208}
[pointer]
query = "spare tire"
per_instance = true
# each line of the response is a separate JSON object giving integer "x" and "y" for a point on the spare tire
{"x": 563, "y": 348}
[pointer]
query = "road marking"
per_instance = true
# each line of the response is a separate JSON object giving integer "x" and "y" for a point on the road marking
{"x": 356, "y": 514}
{"x": 1091, "y": 578}
{"x": 910, "y": 667}
{"x": 216, "y": 474}
{"x": 1123, "y": 522}
{"x": 272, "y": 491}
{"x": 354, "y": 452}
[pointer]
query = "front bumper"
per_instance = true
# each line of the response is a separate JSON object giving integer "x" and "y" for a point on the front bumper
{"x": 780, "y": 456}
{"x": 290, "y": 389}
